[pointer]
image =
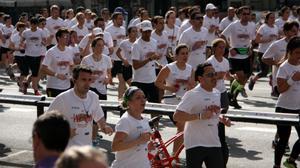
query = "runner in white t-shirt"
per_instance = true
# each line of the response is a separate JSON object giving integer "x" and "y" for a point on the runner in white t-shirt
{"x": 196, "y": 38}
{"x": 19, "y": 54}
{"x": 171, "y": 30}
{"x": 240, "y": 33}
{"x": 200, "y": 110}
{"x": 34, "y": 39}
{"x": 221, "y": 66}
{"x": 161, "y": 38}
{"x": 6, "y": 54}
{"x": 284, "y": 14}
{"x": 143, "y": 62}
{"x": 212, "y": 25}
{"x": 276, "y": 52}
{"x": 228, "y": 19}
{"x": 54, "y": 22}
{"x": 81, "y": 107}
{"x": 266, "y": 34}
{"x": 118, "y": 33}
{"x": 176, "y": 79}
{"x": 57, "y": 65}
{"x": 73, "y": 45}
{"x": 80, "y": 27}
{"x": 288, "y": 83}
{"x": 132, "y": 133}
{"x": 124, "y": 53}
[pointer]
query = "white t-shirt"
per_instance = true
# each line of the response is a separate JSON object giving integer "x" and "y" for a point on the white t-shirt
{"x": 276, "y": 51}
{"x": 207, "y": 23}
{"x": 290, "y": 98}
{"x": 47, "y": 35}
{"x": 118, "y": 34}
{"x": 67, "y": 23}
{"x": 189, "y": 37}
{"x": 89, "y": 25}
{"x": 185, "y": 25}
{"x": 146, "y": 73}
{"x": 161, "y": 40}
{"x": 126, "y": 47}
{"x": 178, "y": 22}
{"x": 80, "y": 32}
{"x": 222, "y": 66}
{"x": 177, "y": 77}
{"x": 100, "y": 70}
{"x": 279, "y": 23}
{"x": 200, "y": 132}
{"x": 33, "y": 42}
{"x": 80, "y": 113}
{"x": 266, "y": 31}
{"x": 240, "y": 36}
{"x": 172, "y": 36}
{"x": 59, "y": 62}
{"x": 53, "y": 25}
{"x": 75, "y": 51}
{"x": 136, "y": 156}
{"x": 16, "y": 40}
{"x": 226, "y": 22}
{"x": 6, "y": 33}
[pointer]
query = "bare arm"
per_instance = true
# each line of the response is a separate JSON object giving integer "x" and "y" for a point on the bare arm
{"x": 118, "y": 143}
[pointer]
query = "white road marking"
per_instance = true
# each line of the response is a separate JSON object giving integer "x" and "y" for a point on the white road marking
{"x": 259, "y": 129}
{"x": 15, "y": 154}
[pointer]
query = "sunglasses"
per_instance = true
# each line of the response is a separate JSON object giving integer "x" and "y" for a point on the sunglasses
{"x": 245, "y": 14}
{"x": 211, "y": 74}
{"x": 198, "y": 18}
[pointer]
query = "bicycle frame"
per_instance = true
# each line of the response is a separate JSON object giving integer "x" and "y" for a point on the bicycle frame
{"x": 162, "y": 158}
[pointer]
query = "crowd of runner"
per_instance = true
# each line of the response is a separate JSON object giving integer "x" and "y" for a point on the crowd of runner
{"x": 167, "y": 58}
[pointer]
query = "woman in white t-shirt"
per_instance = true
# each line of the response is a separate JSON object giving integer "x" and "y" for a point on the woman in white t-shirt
{"x": 175, "y": 79}
{"x": 284, "y": 14}
{"x": 73, "y": 45}
{"x": 288, "y": 84}
{"x": 221, "y": 66}
{"x": 265, "y": 36}
{"x": 132, "y": 133}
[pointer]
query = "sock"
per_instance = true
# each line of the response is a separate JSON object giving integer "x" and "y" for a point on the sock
{"x": 233, "y": 86}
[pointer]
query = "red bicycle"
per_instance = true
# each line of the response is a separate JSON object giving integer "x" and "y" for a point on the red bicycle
{"x": 160, "y": 157}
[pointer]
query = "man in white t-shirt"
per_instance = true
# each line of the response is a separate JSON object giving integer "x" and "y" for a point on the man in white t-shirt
{"x": 57, "y": 65}
{"x": 200, "y": 110}
{"x": 240, "y": 33}
{"x": 227, "y": 20}
{"x": 118, "y": 34}
{"x": 212, "y": 25}
{"x": 80, "y": 27}
{"x": 35, "y": 39}
{"x": 81, "y": 106}
{"x": 54, "y": 22}
{"x": 143, "y": 62}
{"x": 196, "y": 38}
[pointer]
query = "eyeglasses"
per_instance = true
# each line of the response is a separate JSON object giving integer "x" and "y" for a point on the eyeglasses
{"x": 210, "y": 74}
{"x": 245, "y": 14}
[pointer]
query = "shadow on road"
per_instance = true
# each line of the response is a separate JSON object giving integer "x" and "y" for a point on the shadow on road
{"x": 9, "y": 164}
{"x": 257, "y": 103}
{"x": 105, "y": 145}
{"x": 3, "y": 150}
{"x": 236, "y": 150}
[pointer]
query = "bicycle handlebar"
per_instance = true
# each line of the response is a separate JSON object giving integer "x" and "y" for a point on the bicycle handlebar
{"x": 154, "y": 120}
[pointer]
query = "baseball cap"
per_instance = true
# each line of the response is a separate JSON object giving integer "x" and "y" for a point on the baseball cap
{"x": 121, "y": 10}
{"x": 97, "y": 31}
{"x": 210, "y": 6}
{"x": 146, "y": 25}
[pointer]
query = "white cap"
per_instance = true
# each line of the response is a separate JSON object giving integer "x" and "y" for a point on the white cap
{"x": 210, "y": 6}
{"x": 97, "y": 31}
{"x": 146, "y": 25}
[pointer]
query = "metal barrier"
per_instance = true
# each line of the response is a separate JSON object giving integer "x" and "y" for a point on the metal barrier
{"x": 163, "y": 109}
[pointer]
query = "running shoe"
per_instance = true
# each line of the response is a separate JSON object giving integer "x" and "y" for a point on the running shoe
{"x": 10, "y": 73}
{"x": 37, "y": 93}
{"x": 235, "y": 104}
{"x": 251, "y": 84}
{"x": 289, "y": 164}
{"x": 243, "y": 93}
{"x": 274, "y": 143}
{"x": 25, "y": 86}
